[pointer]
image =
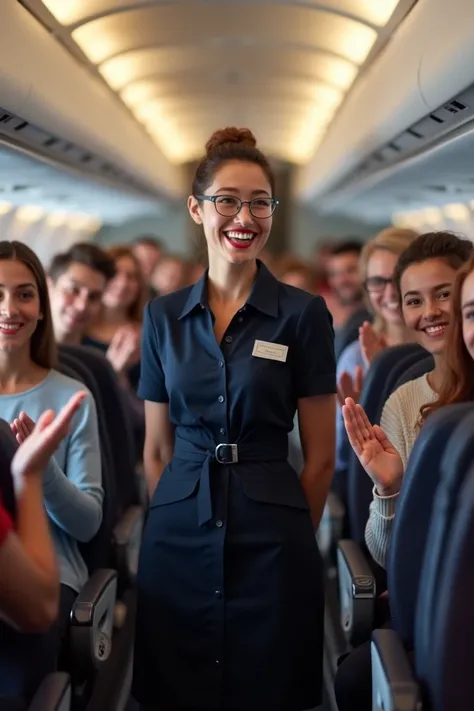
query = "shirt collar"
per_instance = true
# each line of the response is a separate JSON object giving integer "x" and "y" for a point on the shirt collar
{"x": 263, "y": 297}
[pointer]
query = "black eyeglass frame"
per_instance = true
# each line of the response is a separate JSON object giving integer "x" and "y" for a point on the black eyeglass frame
{"x": 214, "y": 198}
{"x": 384, "y": 282}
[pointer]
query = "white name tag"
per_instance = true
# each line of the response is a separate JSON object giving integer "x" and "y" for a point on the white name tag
{"x": 271, "y": 351}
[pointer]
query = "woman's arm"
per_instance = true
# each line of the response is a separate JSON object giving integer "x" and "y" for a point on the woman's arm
{"x": 315, "y": 389}
{"x": 316, "y": 417}
{"x": 383, "y": 464}
{"x": 159, "y": 442}
{"x": 29, "y": 577}
{"x": 73, "y": 498}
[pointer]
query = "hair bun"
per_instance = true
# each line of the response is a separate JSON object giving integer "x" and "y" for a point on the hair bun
{"x": 230, "y": 135}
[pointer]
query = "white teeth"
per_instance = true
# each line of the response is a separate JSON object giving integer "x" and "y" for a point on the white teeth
{"x": 243, "y": 236}
{"x": 434, "y": 329}
{"x": 10, "y": 326}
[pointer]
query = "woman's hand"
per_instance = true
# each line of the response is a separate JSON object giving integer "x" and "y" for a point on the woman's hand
{"x": 350, "y": 386}
{"x": 371, "y": 342}
{"x": 22, "y": 427}
{"x": 124, "y": 349}
{"x": 377, "y": 455}
{"x": 39, "y": 442}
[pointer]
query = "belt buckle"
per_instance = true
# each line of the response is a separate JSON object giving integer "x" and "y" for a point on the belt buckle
{"x": 234, "y": 454}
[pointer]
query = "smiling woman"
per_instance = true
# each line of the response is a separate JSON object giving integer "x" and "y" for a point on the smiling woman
{"x": 72, "y": 489}
{"x": 424, "y": 277}
{"x": 230, "y": 590}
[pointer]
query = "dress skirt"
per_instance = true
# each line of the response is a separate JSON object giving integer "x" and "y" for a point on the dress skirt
{"x": 230, "y": 613}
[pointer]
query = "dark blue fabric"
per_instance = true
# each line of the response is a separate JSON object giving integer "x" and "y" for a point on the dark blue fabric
{"x": 455, "y": 465}
{"x": 414, "y": 512}
{"x": 230, "y": 603}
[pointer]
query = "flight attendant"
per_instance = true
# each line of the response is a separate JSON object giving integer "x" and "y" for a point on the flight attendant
{"x": 230, "y": 589}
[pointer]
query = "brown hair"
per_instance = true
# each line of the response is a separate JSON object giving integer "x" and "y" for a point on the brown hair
{"x": 447, "y": 246}
{"x": 228, "y": 144}
{"x": 87, "y": 254}
{"x": 135, "y": 310}
{"x": 43, "y": 343}
{"x": 392, "y": 239}
{"x": 458, "y": 377}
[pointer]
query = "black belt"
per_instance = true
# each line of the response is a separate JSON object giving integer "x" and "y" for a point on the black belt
{"x": 224, "y": 454}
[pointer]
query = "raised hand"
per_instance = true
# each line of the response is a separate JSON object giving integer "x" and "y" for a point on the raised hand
{"x": 124, "y": 349}
{"x": 350, "y": 386}
{"x": 371, "y": 342}
{"x": 22, "y": 427}
{"x": 375, "y": 452}
{"x": 37, "y": 448}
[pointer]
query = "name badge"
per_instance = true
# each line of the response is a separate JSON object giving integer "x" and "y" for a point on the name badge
{"x": 271, "y": 351}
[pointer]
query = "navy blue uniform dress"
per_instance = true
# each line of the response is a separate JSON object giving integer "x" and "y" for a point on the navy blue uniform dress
{"x": 230, "y": 590}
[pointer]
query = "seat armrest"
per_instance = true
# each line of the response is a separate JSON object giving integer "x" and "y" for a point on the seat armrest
{"x": 356, "y": 592}
{"x": 54, "y": 694}
{"x": 127, "y": 537}
{"x": 331, "y": 526}
{"x": 92, "y": 618}
{"x": 393, "y": 683}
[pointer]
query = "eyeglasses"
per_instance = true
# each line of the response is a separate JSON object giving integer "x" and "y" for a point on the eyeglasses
{"x": 229, "y": 205}
{"x": 376, "y": 284}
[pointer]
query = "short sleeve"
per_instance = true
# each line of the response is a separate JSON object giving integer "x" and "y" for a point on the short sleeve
{"x": 5, "y": 523}
{"x": 152, "y": 384}
{"x": 315, "y": 363}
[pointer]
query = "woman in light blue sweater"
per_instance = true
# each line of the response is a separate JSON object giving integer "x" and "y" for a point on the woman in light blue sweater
{"x": 29, "y": 384}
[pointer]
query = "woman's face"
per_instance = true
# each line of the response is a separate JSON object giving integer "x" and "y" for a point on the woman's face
{"x": 467, "y": 313}
{"x": 241, "y": 237}
{"x": 122, "y": 290}
{"x": 426, "y": 301}
{"x": 381, "y": 291}
{"x": 20, "y": 308}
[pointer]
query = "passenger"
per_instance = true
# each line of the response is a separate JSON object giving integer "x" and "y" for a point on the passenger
{"x": 77, "y": 280}
{"x": 72, "y": 490}
{"x": 29, "y": 575}
{"x": 230, "y": 587}
{"x": 170, "y": 275}
{"x": 424, "y": 279}
{"x": 377, "y": 264}
{"x": 458, "y": 378}
{"x": 344, "y": 280}
{"x": 302, "y": 277}
{"x": 149, "y": 251}
{"x": 117, "y": 329}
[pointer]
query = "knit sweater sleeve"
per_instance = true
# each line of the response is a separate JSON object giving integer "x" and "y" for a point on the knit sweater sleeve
{"x": 396, "y": 423}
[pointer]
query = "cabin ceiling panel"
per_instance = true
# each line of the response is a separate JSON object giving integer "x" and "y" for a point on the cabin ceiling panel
{"x": 188, "y": 65}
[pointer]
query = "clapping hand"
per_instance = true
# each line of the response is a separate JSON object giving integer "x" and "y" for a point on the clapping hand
{"x": 371, "y": 342}
{"x": 39, "y": 442}
{"x": 350, "y": 386}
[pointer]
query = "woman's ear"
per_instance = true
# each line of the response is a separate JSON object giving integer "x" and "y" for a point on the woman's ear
{"x": 194, "y": 209}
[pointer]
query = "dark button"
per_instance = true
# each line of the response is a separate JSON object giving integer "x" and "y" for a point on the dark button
{"x": 228, "y": 339}
{"x": 221, "y": 363}
{"x": 221, "y": 398}
{"x": 218, "y": 593}
{"x": 219, "y": 523}
{"x": 218, "y": 661}
{"x": 222, "y": 431}
{"x": 240, "y": 319}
